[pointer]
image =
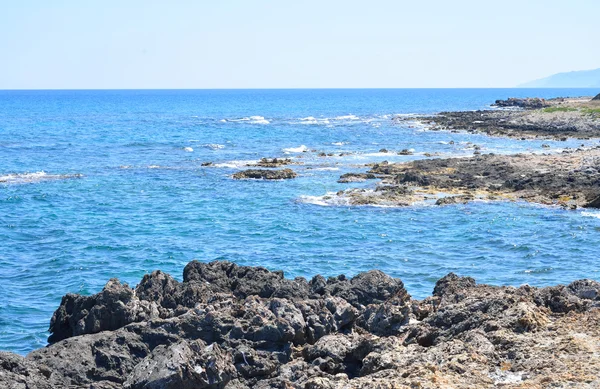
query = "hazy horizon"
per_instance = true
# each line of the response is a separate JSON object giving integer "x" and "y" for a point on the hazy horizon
{"x": 266, "y": 45}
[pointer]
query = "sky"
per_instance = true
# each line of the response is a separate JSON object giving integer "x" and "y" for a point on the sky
{"x": 134, "y": 44}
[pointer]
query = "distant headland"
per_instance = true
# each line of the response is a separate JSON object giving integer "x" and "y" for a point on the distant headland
{"x": 575, "y": 79}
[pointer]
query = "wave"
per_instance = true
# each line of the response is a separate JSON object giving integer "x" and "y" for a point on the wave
{"x": 340, "y": 143}
{"x": 214, "y": 146}
{"x": 29, "y": 178}
{"x": 326, "y": 169}
{"x": 188, "y": 149}
{"x": 312, "y": 120}
{"x": 250, "y": 119}
{"x": 591, "y": 214}
{"x": 330, "y": 199}
{"x": 236, "y": 164}
{"x": 333, "y": 199}
{"x": 300, "y": 149}
{"x": 347, "y": 117}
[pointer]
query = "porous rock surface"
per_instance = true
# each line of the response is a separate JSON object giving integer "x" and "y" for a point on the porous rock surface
{"x": 237, "y": 327}
{"x": 264, "y": 174}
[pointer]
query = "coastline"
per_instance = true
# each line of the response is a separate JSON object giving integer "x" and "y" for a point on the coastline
{"x": 570, "y": 179}
{"x": 230, "y": 326}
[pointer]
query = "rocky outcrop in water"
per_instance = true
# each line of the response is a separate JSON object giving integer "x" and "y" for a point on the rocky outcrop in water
{"x": 527, "y": 103}
{"x": 274, "y": 162}
{"x": 230, "y": 326}
{"x": 570, "y": 179}
{"x": 559, "y": 119}
{"x": 257, "y": 174}
{"x": 356, "y": 177}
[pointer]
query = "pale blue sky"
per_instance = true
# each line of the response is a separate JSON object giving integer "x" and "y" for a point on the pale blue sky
{"x": 293, "y": 44}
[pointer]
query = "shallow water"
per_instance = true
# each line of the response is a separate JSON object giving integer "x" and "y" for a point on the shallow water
{"x": 101, "y": 184}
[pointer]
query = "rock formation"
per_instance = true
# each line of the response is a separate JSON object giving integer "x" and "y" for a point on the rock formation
{"x": 230, "y": 326}
{"x": 284, "y": 174}
{"x": 527, "y": 103}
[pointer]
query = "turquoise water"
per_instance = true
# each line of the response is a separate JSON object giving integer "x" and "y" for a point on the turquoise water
{"x": 101, "y": 184}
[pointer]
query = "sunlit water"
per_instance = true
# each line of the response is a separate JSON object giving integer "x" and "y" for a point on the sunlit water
{"x": 101, "y": 184}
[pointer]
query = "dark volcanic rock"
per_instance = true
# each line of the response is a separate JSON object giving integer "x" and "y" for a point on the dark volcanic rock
{"x": 448, "y": 200}
{"x": 527, "y": 103}
{"x": 275, "y": 162}
{"x": 230, "y": 326}
{"x": 356, "y": 177}
{"x": 181, "y": 366}
{"x": 594, "y": 203}
{"x": 284, "y": 174}
{"x": 110, "y": 309}
{"x": 597, "y": 98}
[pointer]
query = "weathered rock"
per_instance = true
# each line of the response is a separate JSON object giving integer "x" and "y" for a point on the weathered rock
{"x": 237, "y": 327}
{"x": 110, "y": 309}
{"x": 454, "y": 200}
{"x": 284, "y": 174}
{"x": 597, "y": 98}
{"x": 527, "y": 103}
{"x": 274, "y": 162}
{"x": 594, "y": 203}
{"x": 356, "y": 177}
{"x": 183, "y": 365}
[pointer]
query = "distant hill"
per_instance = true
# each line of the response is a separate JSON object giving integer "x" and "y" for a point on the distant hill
{"x": 577, "y": 79}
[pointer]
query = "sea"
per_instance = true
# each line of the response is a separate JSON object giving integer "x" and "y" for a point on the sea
{"x": 96, "y": 184}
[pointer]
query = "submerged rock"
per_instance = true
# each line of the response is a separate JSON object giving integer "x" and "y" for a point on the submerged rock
{"x": 230, "y": 326}
{"x": 284, "y": 174}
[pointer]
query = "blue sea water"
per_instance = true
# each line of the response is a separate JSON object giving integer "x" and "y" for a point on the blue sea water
{"x": 101, "y": 184}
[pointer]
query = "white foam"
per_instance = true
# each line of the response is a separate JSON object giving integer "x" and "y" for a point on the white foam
{"x": 340, "y": 143}
{"x": 25, "y": 178}
{"x": 347, "y": 117}
{"x": 214, "y": 146}
{"x": 154, "y": 167}
{"x": 591, "y": 214}
{"x": 251, "y": 119}
{"x": 188, "y": 149}
{"x": 300, "y": 149}
{"x": 332, "y": 199}
{"x": 327, "y": 168}
{"x": 328, "y": 200}
{"x": 313, "y": 120}
{"x": 236, "y": 164}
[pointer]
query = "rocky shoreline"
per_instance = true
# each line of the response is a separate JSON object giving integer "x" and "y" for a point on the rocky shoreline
{"x": 570, "y": 179}
{"x": 538, "y": 118}
{"x": 230, "y": 326}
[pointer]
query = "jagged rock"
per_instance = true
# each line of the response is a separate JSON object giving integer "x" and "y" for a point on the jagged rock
{"x": 284, "y": 174}
{"x": 110, "y": 309}
{"x": 597, "y": 97}
{"x": 238, "y": 327}
{"x": 356, "y": 177}
{"x": 527, "y": 103}
{"x": 461, "y": 199}
{"x": 183, "y": 365}
{"x": 594, "y": 203}
{"x": 275, "y": 162}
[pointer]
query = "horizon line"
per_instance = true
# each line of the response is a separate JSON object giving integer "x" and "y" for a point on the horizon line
{"x": 277, "y": 88}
